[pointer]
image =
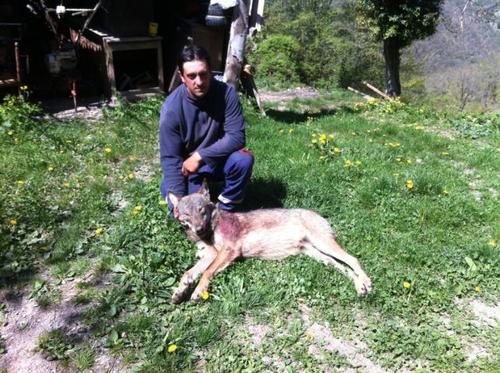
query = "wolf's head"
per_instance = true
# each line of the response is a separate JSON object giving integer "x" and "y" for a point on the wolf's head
{"x": 194, "y": 211}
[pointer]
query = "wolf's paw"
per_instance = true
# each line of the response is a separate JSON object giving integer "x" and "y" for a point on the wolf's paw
{"x": 198, "y": 294}
{"x": 179, "y": 295}
{"x": 363, "y": 285}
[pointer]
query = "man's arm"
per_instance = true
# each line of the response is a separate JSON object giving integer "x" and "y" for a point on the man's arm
{"x": 234, "y": 130}
{"x": 171, "y": 152}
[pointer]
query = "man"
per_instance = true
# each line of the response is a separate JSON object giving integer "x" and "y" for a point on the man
{"x": 202, "y": 134}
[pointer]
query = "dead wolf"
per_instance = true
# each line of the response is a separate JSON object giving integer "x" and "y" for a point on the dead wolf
{"x": 222, "y": 237}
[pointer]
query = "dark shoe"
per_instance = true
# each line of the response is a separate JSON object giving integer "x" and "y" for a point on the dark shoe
{"x": 215, "y": 16}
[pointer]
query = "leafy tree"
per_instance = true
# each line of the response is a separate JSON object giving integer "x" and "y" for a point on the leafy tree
{"x": 397, "y": 23}
{"x": 332, "y": 51}
{"x": 460, "y": 61}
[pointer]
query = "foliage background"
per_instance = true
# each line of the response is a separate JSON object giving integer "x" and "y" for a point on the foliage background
{"x": 327, "y": 44}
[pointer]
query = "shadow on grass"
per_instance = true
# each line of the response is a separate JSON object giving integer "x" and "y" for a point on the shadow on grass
{"x": 10, "y": 284}
{"x": 290, "y": 116}
{"x": 264, "y": 193}
{"x": 260, "y": 193}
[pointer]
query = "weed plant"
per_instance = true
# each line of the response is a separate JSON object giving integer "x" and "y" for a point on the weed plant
{"x": 408, "y": 191}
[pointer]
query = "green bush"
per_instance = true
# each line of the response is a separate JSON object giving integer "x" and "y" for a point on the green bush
{"x": 319, "y": 49}
{"x": 16, "y": 113}
{"x": 277, "y": 57}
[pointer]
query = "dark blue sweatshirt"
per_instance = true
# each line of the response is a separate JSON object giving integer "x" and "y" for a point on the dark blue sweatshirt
{"x": 213, "y": 126}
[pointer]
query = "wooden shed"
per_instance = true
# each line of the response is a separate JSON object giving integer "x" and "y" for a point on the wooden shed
{"x": 108, "y": 47}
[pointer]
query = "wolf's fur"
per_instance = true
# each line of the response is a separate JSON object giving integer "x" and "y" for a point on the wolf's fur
{"x": 222, "y": 237}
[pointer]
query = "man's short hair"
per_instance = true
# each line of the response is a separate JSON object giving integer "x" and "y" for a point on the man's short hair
{"x": 193, "y": 53}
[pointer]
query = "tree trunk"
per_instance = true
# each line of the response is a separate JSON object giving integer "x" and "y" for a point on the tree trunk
{"x": 236, "y": 47}
{"x": 392, "y": 62}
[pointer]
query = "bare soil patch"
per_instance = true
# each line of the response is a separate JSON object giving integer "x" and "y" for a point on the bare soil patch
{"x": 324, "y": 339}
{"x": 289, "y": 94}
{"x": 26, "y": 321}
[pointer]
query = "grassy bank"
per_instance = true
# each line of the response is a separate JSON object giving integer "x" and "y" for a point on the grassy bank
{"x": 412, "y": 193}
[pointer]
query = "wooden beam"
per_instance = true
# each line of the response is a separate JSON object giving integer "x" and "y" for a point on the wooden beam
{"x": 365, "y": 96}
{"x": 374, "y": 89}
{"x": 236, "y": 45}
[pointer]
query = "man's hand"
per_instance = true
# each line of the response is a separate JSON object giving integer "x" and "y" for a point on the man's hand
{"x": 191, "y": 164}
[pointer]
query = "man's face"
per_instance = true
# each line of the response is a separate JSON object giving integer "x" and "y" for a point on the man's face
{"x": 196, "y": 76}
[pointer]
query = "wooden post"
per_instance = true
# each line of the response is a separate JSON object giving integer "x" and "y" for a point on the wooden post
{"x": 18, "y": 64}
{"x": 365, "y": 96}
{"x": 236, "y": 45}
{"x": 378, "y": 91}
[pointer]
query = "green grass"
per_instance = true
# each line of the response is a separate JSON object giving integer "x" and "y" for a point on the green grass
{"x": 412, "y": 193}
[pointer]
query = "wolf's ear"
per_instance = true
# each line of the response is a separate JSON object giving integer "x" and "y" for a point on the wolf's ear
{"x": 174, "y": 199}
{"x": 204, "y": 189}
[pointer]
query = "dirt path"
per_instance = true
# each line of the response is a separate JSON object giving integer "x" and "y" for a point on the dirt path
{"x": 25, "y": 322}
{"x": 288, "y": 94}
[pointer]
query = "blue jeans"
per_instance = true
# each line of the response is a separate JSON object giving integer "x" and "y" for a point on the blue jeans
{"x": 234, "y": 171}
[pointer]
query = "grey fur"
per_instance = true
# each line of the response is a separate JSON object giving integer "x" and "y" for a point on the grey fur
{"x": 222, "y": 237}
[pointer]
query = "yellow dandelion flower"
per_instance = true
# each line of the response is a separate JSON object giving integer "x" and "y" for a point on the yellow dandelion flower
{"x": 50, "y": 168}
{"x": 205, "y": 295}
{"x": 348, "y": 163}
{"x": 121, "y": 177}
{"x": 172, "y": 348}
{"x": 10, "y": 133}
{"x": 99, "y": 231}
{"x": 406, "y": 284}
{"x": 131, "y": 175}
{"x": 20, "y": 183}
{"x": 322, "y": 157}
{"x": 492, "y": 242}
{"x": 409, "y": 161}
{"x": 137, "y": 210}
{"x": 314, "y": 141}
{"x": 66, "y": 184}
{"x": 337, "y": 150}
{"x": 108, "y": 149}
{"x": 13, "y": 222}
{"x": 409, "y": 184}
{"x": 162, "y": 202}
{"x": 477, "y": 289}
